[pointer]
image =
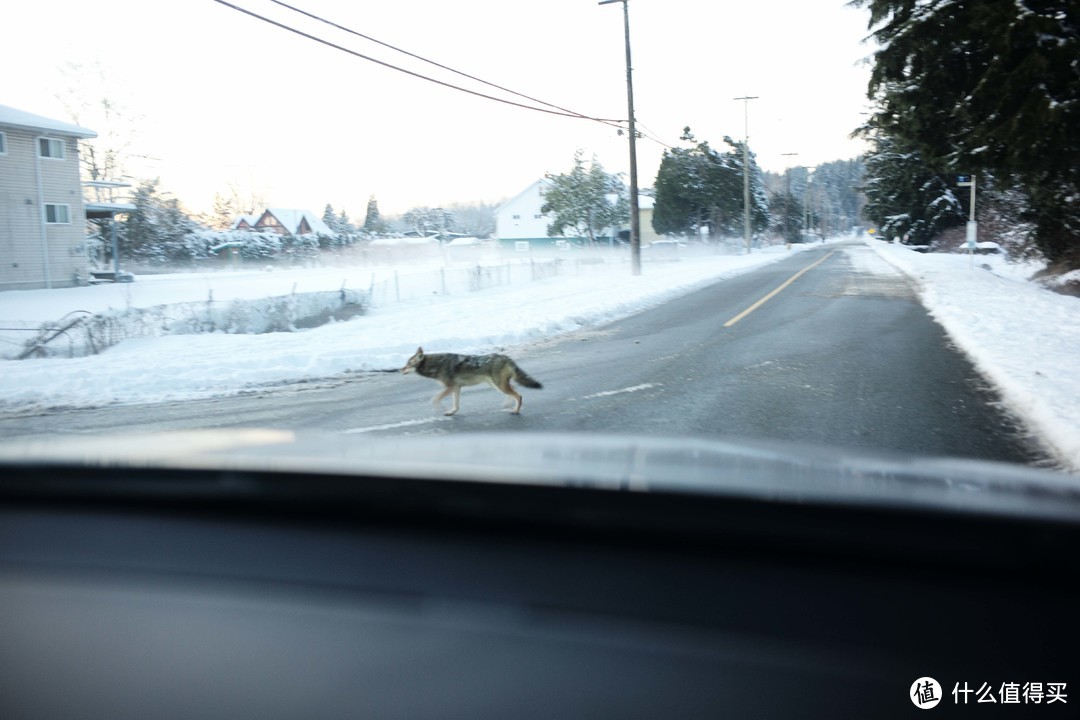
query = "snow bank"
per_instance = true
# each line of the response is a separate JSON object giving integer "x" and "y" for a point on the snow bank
{"x": 181, "y": 367}
{"x": 1023, "y": 338}
{"x": 78, "y": 334}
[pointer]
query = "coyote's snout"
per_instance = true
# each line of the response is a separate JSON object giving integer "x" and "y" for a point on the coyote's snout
{"x": 456, "y": 371}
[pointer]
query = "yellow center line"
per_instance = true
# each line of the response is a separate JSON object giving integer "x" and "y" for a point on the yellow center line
{"x": 776, "y": 292}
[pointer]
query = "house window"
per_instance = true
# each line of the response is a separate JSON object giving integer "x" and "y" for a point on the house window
{"x": 51, "y": 148}
{"x": 516, "y": 217}
{"x": 57, "y": 214}
{"x": 537, "y": 216}
{"x": 3, "y": 144}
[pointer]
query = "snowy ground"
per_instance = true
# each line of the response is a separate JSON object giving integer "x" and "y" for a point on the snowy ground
{"x": 179, "y": 367}
{"x": 1023, "y": 338}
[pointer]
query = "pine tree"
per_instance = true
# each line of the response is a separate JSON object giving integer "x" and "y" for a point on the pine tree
{"x": 990, "y": 88}
{"x": 904, "y": 198}
{"x": 733, "y": 222}
{"x": 373, "y": 223}
{"x": 837, "y": 192}
{"x": 787, "y": 215}
{"x": 330, "y": 218}
{"x": 688, "y": 186}
{"x": 698, "y": 187}
{"x": 156, "y": 230}
{"x": 344, "y": 226}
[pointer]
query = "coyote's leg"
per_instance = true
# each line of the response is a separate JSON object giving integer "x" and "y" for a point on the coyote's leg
{"x": 437, "y": 400}
{"x": 505, "y": 386}
{"x": 457, "y": 399}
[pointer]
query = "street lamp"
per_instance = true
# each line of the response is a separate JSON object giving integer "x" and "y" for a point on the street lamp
{"x": 746, "y": 168}
{"x": 635, "y": 220}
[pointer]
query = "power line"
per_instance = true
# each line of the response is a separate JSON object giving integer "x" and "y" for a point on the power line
{"x": 283, "y": 26}
{"x": 558, "y": 110}
{"x": 650, "y": 134}
{"x": 432, "y": 62}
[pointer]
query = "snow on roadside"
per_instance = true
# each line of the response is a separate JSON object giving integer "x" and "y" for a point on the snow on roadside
{"x": 1023, "y": 338}
{"x": 183, "y": 367}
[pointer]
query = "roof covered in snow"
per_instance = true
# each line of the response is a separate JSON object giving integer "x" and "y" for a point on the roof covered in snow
{"x": 15, "y": 118}
{"x": 291, "y": 219}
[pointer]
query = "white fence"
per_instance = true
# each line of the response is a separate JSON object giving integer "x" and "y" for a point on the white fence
{"x": 81, "y": 332}
{"x": 398, "y": 285}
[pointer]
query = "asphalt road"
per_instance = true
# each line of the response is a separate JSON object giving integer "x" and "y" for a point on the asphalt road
{"x": 842, "y": 355}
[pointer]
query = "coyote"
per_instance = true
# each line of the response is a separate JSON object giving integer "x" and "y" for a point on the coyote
{"x": 456, "y": 371}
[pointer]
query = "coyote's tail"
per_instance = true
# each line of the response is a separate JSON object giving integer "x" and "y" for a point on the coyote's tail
{"x": 525, "y": 379}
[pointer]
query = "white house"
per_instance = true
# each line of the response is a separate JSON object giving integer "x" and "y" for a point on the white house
{"x": 42, "y": 211}
{"x": 520, "y": 222}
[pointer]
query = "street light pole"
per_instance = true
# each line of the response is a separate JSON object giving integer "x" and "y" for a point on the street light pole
{"x": 635, "y": 219}
{"x": 746, "y": 168}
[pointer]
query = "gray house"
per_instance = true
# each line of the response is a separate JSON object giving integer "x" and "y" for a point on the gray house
{"x": 42, "y": 212}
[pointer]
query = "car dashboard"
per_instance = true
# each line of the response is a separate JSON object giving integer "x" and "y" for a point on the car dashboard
{"x": 143, "y": 591}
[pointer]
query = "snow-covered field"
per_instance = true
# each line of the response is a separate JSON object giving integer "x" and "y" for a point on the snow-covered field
{"x": 1024, "y": 338}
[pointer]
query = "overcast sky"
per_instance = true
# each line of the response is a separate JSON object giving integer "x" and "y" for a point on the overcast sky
{"x": 211, "y": 97}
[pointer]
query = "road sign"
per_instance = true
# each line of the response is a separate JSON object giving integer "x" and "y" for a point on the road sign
{"x": 964, "y": 181}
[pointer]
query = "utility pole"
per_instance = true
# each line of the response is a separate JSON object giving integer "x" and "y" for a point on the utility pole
{"x": 787, "y": 201}
{"x": 808, "y": 197}
{"x": 635, "y": 219}
{"x": 746, "y": 168}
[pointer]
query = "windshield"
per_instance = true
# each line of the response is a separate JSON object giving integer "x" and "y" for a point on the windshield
{"x": 773, "y": 221}
{"x": 553, "y": 359}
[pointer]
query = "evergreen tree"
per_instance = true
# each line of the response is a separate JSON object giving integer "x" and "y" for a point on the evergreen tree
{"x": 837, "y": 193}
{"x": 157, "y": 229}
{"x": 331, "y": 219}
{"x": 329, "y": 216}
{"x": 759, "y": 199}
{"x": 344, "y": 226}
{"x": 904, "y": 198}
{"x": 990, "y": 88}
{"x": 373, "y": 222}
{"x": 698, "y": 187}
{"x": 787, "y": 215}
{"x": 688, "y": 187}
{"x": 585, "y": 201}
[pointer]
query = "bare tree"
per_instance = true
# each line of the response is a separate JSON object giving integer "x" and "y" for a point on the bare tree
{"x": 92, "y": 103}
